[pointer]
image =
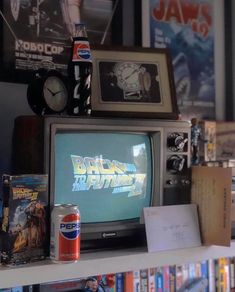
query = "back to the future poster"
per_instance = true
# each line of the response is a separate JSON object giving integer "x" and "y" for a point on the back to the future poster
{"x": 37, "y": 33}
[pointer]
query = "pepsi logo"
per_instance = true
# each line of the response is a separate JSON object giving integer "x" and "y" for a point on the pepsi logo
{"x": 83, "y": 51}
{"x": 70, "y": 226}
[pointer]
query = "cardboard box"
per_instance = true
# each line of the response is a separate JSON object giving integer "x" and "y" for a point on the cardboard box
{"x": 228, "y": 163}
{"x": 211, "y": 191}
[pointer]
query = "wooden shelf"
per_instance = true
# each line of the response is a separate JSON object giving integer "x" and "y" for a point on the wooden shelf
{"x": 106, "y": 262}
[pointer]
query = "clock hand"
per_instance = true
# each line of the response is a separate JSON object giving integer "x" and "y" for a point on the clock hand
{"x": 128, "y": 76}
{"x": 58, "y": 92}
{"x": 51, "y": 91}
{"x": 54, "y": 93}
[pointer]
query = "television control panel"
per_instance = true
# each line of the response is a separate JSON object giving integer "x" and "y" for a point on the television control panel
{"x": 176, "y": 164}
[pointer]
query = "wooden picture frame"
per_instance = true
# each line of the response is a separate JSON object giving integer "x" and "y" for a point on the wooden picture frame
{"x": 133, "y": 82}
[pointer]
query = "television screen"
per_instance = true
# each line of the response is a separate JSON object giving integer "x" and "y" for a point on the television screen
{"x": 108, "y": 174}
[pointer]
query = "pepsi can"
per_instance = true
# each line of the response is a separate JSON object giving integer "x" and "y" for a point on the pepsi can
{"x": 65, "y": 233}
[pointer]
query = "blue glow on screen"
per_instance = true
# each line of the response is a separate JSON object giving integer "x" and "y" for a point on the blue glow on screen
{"x": 109, "y": 175}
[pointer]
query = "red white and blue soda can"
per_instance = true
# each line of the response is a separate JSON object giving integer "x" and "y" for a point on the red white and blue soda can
{"x": 65, "y": 233}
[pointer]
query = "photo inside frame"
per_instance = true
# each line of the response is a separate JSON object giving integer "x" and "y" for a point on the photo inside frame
{"x": 129, "y": 82}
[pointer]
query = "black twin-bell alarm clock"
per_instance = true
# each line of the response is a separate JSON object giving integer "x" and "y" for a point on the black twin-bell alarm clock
{"x": 47, "y": 93}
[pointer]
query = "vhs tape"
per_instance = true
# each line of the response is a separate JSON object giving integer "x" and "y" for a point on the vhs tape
{"x": 24, "y": 234}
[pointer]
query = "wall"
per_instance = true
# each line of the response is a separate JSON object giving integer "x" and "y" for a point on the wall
{"x": 13, "y": 102}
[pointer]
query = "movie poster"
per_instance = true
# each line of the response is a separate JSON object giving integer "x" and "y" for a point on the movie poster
{"x": 37, "y": 33}
{"x": 187, "y": 28}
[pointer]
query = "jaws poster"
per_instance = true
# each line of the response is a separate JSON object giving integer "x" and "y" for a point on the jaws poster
{"x": 187, "y": 28}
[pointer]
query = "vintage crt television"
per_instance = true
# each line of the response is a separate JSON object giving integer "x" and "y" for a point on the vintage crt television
{"x": 112, "y": 168}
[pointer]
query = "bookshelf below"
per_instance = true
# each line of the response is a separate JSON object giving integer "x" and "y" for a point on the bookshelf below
{"x": 104, "y": 262}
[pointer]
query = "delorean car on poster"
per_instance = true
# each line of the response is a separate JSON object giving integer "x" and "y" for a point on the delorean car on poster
{"x": 37, "y": 33}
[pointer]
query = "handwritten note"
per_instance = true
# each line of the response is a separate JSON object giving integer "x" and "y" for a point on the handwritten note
{"x": 172, "y": 227}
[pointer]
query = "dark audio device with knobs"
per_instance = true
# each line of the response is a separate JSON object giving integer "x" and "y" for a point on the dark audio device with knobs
{"x": 176, "y": 163}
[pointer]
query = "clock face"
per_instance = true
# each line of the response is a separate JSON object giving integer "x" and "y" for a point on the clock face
{"x": 128, "y": 76}
{"x": 55, "y": 93}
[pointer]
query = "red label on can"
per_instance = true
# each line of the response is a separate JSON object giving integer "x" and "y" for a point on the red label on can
{"x": 69, "y": 238}
{"x": 81, "y": 51}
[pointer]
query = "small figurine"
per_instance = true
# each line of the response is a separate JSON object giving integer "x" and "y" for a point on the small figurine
{"x": 195, "y": 137}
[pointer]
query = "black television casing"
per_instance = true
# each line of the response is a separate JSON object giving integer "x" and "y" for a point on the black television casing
{"x": 33, "y": 152}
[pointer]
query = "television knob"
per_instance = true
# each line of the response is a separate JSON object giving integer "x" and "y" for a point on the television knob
{"x": 185, "y": 182}
{"x": 176, "y": 142}
{"x": 175, "y": 163}
{"x": 171, "y": 182}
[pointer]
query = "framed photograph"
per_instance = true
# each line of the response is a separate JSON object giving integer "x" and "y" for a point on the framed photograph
{"x": 133, "y": 82}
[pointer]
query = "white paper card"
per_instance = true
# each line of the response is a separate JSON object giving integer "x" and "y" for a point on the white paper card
{"x": 172, "y": 227}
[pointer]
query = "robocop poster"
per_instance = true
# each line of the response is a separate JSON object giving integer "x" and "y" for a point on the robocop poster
{"x": 37, "y": 33}
{"x": 187, "y": 28}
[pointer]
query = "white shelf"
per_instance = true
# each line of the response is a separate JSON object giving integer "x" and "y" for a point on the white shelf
{"x": 106, "y": 262}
